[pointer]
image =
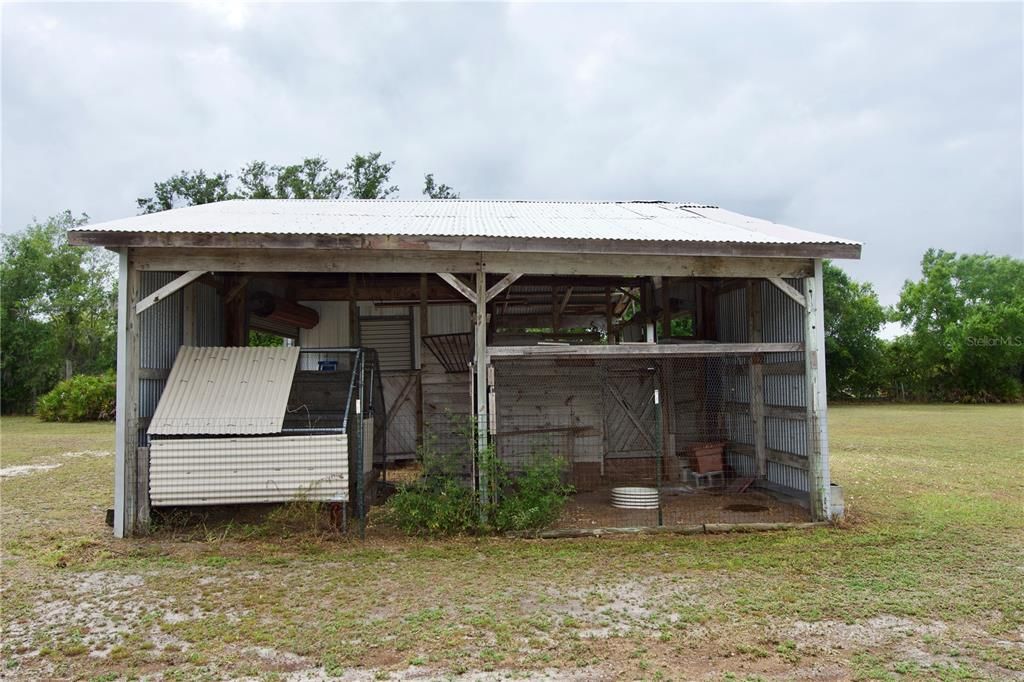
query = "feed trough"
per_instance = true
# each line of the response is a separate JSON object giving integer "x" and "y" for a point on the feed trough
{"x": 635, "y": 498}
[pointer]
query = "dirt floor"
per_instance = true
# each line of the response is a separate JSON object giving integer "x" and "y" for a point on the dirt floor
{"x": 681, "y": 505}
{"x": 921, "y": 582}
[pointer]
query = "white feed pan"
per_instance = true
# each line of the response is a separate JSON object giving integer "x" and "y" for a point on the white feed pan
{"x": 635, "y": 497}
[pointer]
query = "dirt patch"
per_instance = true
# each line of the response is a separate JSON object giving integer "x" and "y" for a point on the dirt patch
{"x": 25, "y": 469}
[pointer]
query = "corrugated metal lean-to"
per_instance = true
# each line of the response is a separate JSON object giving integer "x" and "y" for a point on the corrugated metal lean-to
{"x": 226, "y": 391}
{"x": 201, "y": 471}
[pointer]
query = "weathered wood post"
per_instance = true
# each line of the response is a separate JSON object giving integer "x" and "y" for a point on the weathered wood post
{"x": 126, "y": 424}
{"x": 814, "y": 376}
{"x": 480, "y": 336}
{"x": 757, "y": 411}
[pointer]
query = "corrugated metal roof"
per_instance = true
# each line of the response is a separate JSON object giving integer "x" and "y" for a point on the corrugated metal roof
{"x": 631, "y": 221}
{"x": 226, "y": 391}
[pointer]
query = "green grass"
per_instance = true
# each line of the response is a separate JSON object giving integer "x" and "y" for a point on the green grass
{"x": 922, "y": 582}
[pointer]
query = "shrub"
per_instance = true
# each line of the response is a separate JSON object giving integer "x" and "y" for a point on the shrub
{"x": 84, "y": 397}
{"x": 535, "y": 497}
{"x": 441, "y": 503}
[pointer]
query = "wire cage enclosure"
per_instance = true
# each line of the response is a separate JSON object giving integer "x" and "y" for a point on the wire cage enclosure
{"x": 266, "y": 425}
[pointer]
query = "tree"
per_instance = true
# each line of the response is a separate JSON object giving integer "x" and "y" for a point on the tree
{"x": 58, "y": 311}
{"x": 966, "y": 322}
{"x": 435, "y": 191}
{"x": 187, "y": 189}
{"x": 311, "y": 179}
{"x": 365, "y": 177}
{"x": 853, "y": 351}
{"x": 368, "y": 177}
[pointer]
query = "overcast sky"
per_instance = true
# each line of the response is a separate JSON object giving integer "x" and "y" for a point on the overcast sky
{"x": 897, "y": 125}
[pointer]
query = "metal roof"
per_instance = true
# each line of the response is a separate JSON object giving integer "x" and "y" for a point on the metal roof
{"x": 226, "y": 391}
{"x": 619, "y": 221}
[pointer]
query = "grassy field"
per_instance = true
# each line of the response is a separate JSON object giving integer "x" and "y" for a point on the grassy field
{"x": 924, "y": 580}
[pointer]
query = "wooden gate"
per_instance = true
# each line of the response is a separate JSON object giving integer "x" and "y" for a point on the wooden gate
{"x": 401, "y": 398}
{"x": 629, "y": 412}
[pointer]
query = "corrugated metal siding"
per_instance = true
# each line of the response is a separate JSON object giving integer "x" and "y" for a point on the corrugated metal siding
{"x": 331, "y": 332}
{"x": 392, "y": 339}
{"x": 200, "y": 471}
{"x": 626, "y": 221}
{"x": 160, "y": 336}
{"x": 450, "y": 319}
{"x": 226, "y": 391}
{"x": 787, "y": 476}
{"x": 731, "y": 316}
{"x": 787, "y": 435}
{"x": 209, "y": 317}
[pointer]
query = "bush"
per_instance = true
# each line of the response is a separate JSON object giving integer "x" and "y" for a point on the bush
{"x": 85, "y": 397}
{"x": 534, "y": 498}
{"x": 441, "y": 503}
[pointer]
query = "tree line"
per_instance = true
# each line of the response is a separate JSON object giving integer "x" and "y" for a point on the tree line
{"x": 963, "y": 318}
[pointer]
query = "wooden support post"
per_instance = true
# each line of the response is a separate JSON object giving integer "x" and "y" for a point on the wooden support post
{"x": 757, "y": 412}
{"x": 666, "y": 309}
{"x": 480, "y": 368}
{"x": 424, "y": 331}
{"x": 817, "y": 423}
{"x": 353, "y": 312}
{"x": 609, "y": 316}
{"x": 236, "y": 316}
{"x": 126, "y": 424}
{"x": 190, "y": 304}
{"x": 142, "y": 491}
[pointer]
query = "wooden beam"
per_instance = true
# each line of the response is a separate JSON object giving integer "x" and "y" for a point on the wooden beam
{"x": 236, "y": 323}
{"x": 570, "y": 264}
{"x": 565, "y": 301}
{"x": 817, "y": 426}
{"x": 353, "y": 311}
{"x": 168, "y": 289}
{"x": 637, "y": 349}
{"x": 788, "y": 290}
{"x": 757, "y": 416}
{"x": 235, "y": 289}
{"x": 666, "y": 308}
{"x": 480, "y": 371}
{"x": 127, "y": 398}
{"x": 189, "y": 312}
{"x": 433, "y": 243}
{"x": 609, "y": 316}
{"x": 457, "y": 284}
{"x": 504, "y": 283}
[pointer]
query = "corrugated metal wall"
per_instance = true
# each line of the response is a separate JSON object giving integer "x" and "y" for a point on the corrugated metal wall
{"x": 161, "y": 334}
{"x": 199, "y": 471}
{"x": 160, "y": 337}
{"x": 784, "y": 384}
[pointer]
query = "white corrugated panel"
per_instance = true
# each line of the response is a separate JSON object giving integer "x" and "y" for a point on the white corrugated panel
{"x": 391, "y": 338}
{"x": 226, "y": 391}
{"x": 198, "y": 471}
{"x": 631, "y": 221}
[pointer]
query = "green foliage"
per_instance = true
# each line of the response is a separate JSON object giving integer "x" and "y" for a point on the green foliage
{"x": 58, "y": 310}
{"x": 853, "y": 350}
{"x": 187, "y": 188}
{"x": 264, "y": 339}
{"x": 437, "y": 191}
{"x": 84, "y": 397}
{"x": 311, "y": 179}
{"x": 441, "y": 502}
{"x": 368, "y": 177}
{"x": 533, "y": 499}
{"x": 364, "y": 177}
{"x": 966, "y": 322}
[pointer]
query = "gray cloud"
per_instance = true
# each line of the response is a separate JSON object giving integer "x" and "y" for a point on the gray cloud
{"x": 899, "y": 125}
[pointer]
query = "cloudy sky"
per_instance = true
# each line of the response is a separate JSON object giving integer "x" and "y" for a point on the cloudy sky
{"x": 897, "y": 125}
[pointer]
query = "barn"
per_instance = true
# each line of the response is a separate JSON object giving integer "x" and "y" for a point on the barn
{"x": 270, "y": 350}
